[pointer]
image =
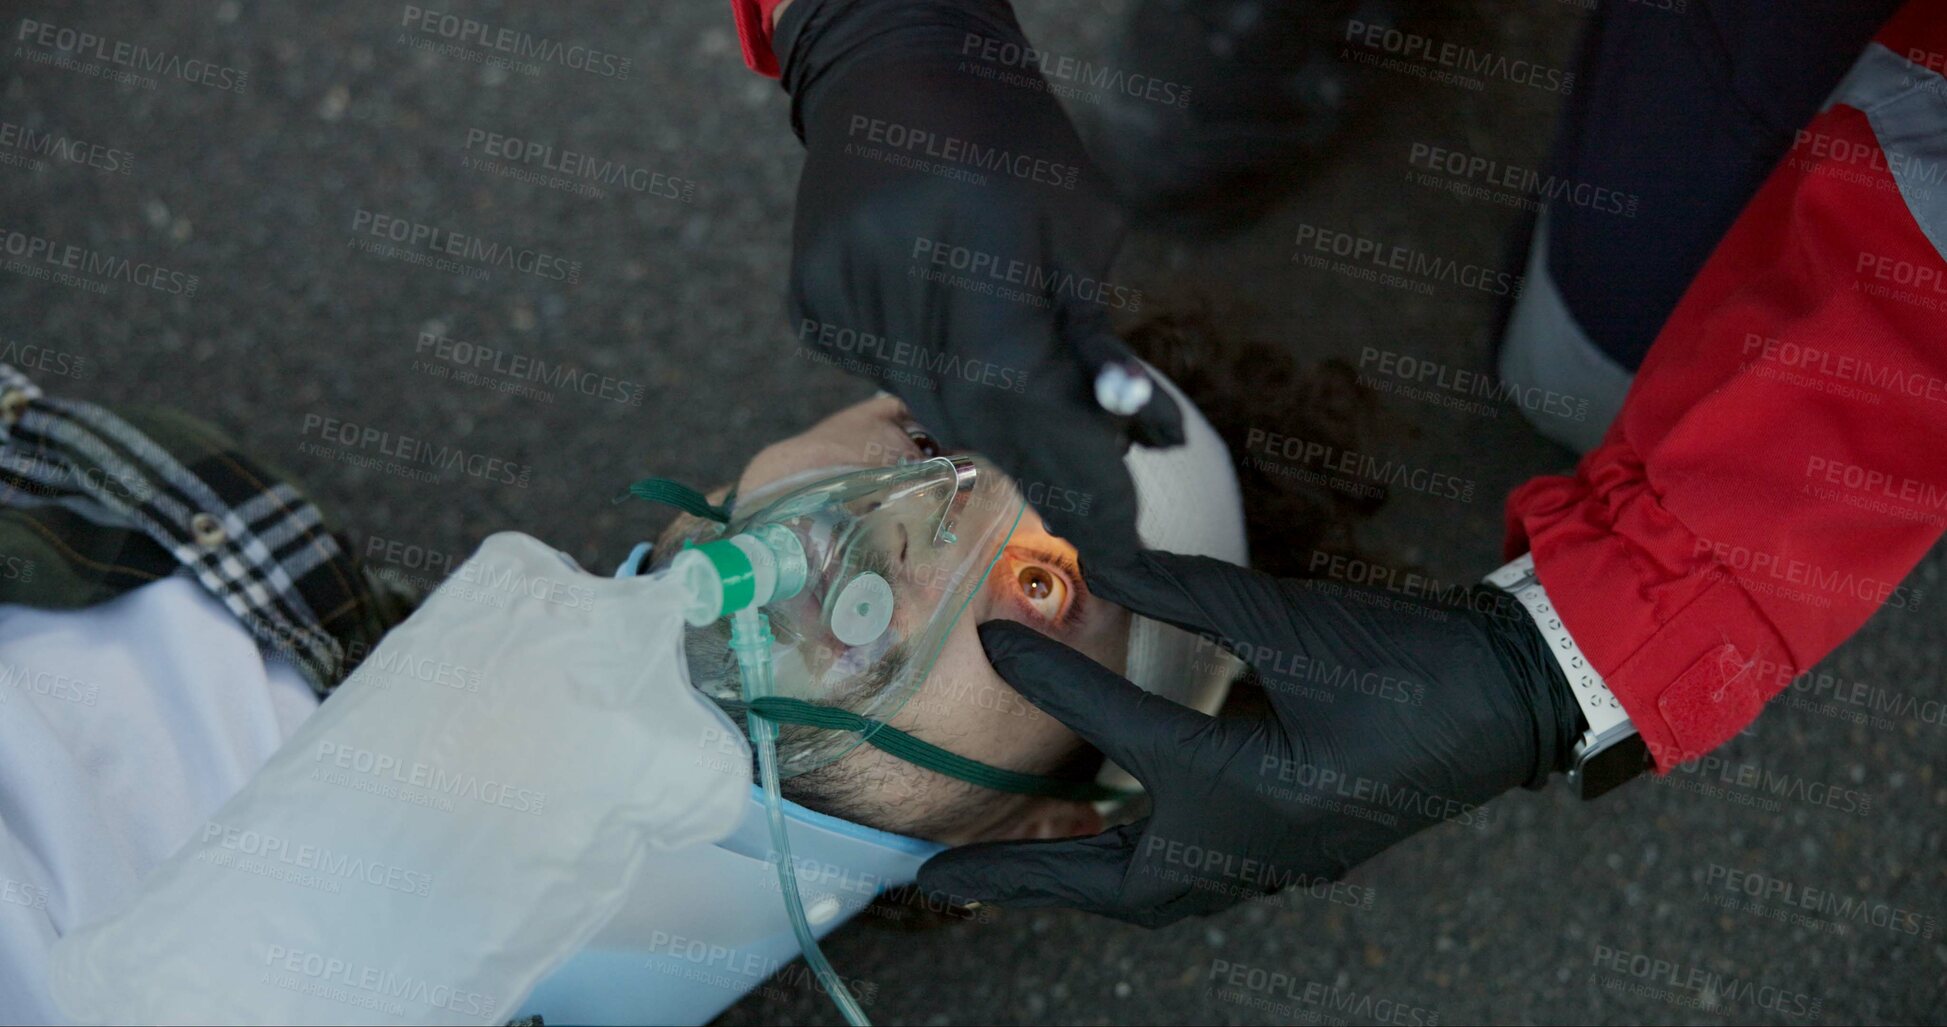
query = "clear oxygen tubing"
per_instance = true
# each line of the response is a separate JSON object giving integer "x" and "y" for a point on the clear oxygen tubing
{"x": 750, "y": 639}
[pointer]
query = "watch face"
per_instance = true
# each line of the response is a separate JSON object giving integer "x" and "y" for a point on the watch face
{"x": 1605, "y": 769}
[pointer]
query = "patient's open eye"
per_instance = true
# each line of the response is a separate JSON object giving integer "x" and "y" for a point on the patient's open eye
{"x": 923, "y": 442}
{"x": 1043, "y": 587}
{"x": 1037, "y": 583}
{"x": 928, "y": 448}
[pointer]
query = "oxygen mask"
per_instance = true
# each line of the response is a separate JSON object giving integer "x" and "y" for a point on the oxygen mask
{"x": 862, "y": 575}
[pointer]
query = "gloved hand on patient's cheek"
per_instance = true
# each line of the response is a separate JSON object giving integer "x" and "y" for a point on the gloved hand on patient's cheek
{"x": 1389, "y": 715}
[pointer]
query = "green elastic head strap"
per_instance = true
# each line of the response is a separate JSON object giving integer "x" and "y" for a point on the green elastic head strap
{"x": 894, "y": 742}
{"x": 680, "y": 496}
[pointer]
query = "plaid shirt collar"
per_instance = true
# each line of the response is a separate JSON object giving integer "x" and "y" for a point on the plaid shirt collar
{"x": 252, "y": 540}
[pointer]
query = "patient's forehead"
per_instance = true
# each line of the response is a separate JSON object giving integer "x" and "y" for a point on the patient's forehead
{"x": 865, "y": 434}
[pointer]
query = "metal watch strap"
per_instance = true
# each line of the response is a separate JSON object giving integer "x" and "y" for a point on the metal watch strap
{"x": 1610, "y": 751}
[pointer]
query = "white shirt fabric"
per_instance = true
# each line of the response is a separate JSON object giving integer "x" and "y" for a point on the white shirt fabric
{"x": 123, "y": 727}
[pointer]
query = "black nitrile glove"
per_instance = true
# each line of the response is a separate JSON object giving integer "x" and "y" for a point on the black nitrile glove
{"x": 951, "y": 244}
{"x": 1389, "y": 714}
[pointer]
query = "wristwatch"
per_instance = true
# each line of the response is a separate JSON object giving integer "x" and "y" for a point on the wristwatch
{"x": 1610, "y": 750}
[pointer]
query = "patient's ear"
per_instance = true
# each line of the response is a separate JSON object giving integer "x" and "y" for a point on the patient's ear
{"x": 1044, "y": 818}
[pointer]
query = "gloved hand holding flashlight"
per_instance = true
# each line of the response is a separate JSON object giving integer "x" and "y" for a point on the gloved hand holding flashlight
{"x": 1388, "y": 715}
{"x": 951, "y": 243}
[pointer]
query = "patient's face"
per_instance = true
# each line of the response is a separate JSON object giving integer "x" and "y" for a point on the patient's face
{"x": 964, "y": 705}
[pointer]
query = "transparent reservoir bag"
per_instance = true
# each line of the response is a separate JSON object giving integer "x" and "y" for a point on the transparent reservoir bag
{"x": 480, "y": 796}
{"x": 461, "y": 816}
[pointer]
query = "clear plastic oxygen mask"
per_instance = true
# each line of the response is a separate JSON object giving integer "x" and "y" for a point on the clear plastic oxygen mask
{"x": 862, "y": 575}
{"x": 840, "y": 593}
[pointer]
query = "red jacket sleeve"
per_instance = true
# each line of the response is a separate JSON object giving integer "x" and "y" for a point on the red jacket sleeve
{"x": 1780, "y": 463}
{"x": 754, "y": 33}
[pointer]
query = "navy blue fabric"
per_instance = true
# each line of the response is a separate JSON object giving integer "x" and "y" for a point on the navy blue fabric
{"x": 1687, "y": 105}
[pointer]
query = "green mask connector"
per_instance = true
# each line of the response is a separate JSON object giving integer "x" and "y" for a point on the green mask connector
{"x": 746, "y": 570}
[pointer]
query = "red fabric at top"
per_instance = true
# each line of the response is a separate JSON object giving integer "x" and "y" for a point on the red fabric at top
{"x": 754, "y": 32}
{"x": 1918, "y": 32}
